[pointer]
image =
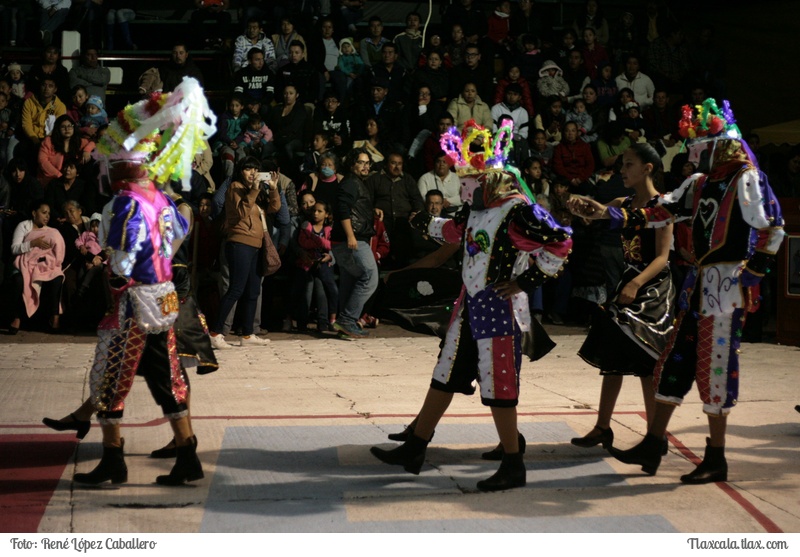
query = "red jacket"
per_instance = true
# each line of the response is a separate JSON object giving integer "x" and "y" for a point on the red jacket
{"x": 573, "y": 160}
{"x": 379, "y": 243}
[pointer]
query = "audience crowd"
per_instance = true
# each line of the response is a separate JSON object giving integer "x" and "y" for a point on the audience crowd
{"x": 328, "y": 142}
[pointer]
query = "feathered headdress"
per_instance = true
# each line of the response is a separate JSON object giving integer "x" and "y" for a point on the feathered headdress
{"x": 162, "y": 132}
{"x": 495, "y": 152}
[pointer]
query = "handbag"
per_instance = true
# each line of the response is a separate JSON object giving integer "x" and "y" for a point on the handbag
{"x": 268, "y": 259}
{"x": 155, "y": 306}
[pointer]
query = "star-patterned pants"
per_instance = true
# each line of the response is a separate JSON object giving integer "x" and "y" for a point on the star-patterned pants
{"x": 703, "y": 349}
{"x": 493, "y": 362}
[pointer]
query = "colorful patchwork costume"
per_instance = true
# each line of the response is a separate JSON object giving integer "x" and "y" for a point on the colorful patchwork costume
{"x": 139, "y": 225}
{"x": 484, "y": 339}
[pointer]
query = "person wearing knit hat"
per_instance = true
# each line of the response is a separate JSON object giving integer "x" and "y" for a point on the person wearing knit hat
{"x": 95, "y": 116}
{"x": 15, "y": 76}
{"x": 148, "y": 143}
{"x": 349, "y": 67}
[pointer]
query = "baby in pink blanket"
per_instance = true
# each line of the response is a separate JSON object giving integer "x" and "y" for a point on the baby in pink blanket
{"x": 87, "y": 241}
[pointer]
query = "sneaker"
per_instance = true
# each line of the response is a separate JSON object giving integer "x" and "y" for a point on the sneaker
{"x": 348, "y": 332}
{"x": 253, "y": 340}
{"x": 218, "y": 342}
{"x": 368, "y": 321}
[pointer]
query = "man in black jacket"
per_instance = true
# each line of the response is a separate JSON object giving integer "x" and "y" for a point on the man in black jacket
{"x": 353, "y": 228}
{"x": 396, "y": 194}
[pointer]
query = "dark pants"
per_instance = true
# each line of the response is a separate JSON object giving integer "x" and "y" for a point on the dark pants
{"x": 319, "y": 284}
{"x": 49, "y": 298}
{"x": 245, "y": 285}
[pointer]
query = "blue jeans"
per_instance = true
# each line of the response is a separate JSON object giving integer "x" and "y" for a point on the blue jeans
{"x": 245, "y": 285}
{"x": 358, "y": 279}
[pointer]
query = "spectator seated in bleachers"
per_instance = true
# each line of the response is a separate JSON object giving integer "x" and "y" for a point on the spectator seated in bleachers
{"x": 253, "y": 37}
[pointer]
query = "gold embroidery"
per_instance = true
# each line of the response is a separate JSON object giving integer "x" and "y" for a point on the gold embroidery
{"x": 169, "y": 303}
{"x": 632, "y": 249}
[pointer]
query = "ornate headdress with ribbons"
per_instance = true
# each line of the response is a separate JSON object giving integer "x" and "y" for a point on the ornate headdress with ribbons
{"x": 493, "y": 157}
{"x": 707, "y": 123}
{"x": 162, "y": 133}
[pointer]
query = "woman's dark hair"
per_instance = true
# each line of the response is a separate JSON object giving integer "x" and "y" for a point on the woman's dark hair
{"x": 537, "y": 186}
{"x": 624, "y": 90}
{"x": 58, "y": 139}
{"x": 378, "y": 123}
{"x": 246, "y": 163}
{"x": 36, "y": 203}
{"x": 78, "y": 88}
{"x": 352, "y": 156}
{"x": 17, "y": 163}
{"x": 647, "y": 154}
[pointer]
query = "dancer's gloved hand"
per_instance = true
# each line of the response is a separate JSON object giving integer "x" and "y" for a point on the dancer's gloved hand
{"x": 421, "y": 221}
{"x": 462, "y": 215}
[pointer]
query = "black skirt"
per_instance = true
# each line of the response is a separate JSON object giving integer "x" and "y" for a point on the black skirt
{"x": 628, "y": 339}
{"x": 194, "y": 343}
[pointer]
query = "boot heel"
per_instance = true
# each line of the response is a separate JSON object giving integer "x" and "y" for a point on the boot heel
{"x": 650, "y": 470}
{"x": 415, "y": 465}
{"x": 120, "y": 479}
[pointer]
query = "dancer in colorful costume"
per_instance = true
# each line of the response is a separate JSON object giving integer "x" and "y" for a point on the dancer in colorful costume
{"x": 484, "y": 339}
{"x": 142, "y": 228}
{"x": 737, "y": 228}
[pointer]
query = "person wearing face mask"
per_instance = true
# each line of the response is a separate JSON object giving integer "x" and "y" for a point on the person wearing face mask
{"x": 325, "y": 180}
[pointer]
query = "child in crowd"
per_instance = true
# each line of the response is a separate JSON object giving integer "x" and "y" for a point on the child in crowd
{"x": 551, "y": 120}
{"x": 315, "y": 268}
{"x": 350, "y": 64}
{"x": 78, "y": 109}
{"x": 257, "y": 136}
{"x": 231, "y": 126}
{"x": 92, "y": 252}
{"x": 95, "y": 116}
{"x": 558, "y": 290}
{"x": 606, "y": 86}
{"x": 17, "y": 80}
{"x": 321, "y": 144}
{"x": 550, "y": 82}
{"x": 7, "y": 126}
{"x": 514, "y": 75}
{"x": 530, "y": 59}
{"x": 533, "y": 172}
{"x": 380, "y": 246}
{"x": 632, "y": 122}
{"x": 582, "y": 118}
{"x": 542, "y": 150}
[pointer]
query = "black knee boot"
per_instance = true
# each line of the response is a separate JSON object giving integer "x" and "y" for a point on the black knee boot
{"x": 647, "y": 454}
{"x": 410, "y": 455}
{"x": 187, "y": 466}
{"x": 111, "y": 467}
{"x": 714, "y": 467}
{"x": 511, "y": 474}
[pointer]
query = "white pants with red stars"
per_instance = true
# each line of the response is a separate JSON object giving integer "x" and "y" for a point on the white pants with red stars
{"x": 493, "y": 362}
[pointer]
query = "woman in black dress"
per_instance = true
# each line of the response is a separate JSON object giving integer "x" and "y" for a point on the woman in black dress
{"x": 629, "y": 336}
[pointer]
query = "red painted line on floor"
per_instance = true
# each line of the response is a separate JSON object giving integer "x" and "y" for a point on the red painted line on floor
{"x": 30, "y": 468}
